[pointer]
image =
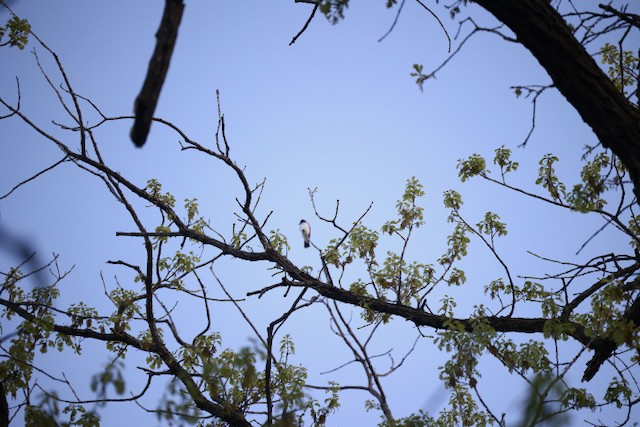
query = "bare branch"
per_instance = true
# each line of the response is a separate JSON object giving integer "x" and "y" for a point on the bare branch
{"x": 20, "y": 184}
{"x": 306, "y": 24}
{"x": 147, "y": 99}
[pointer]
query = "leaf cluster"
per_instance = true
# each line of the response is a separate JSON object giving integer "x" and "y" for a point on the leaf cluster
{"x": 17, "y": 31}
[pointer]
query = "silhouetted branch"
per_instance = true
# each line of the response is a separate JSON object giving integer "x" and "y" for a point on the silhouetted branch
{"x": 147, "y": 99}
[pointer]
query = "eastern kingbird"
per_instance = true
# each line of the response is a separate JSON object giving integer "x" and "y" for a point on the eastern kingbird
{"x": 305, "y": 229}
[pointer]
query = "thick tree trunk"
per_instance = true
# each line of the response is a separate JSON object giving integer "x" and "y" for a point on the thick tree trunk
{"x": 540, "y": 29}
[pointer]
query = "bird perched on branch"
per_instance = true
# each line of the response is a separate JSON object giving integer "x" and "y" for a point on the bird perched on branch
{"x": 305, "y": 229}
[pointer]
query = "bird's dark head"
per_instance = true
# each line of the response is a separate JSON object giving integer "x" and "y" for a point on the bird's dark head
{"x": 301, "y": 221}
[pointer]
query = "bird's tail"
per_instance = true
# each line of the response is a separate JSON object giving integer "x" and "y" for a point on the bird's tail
{"x": 306, "y": 243}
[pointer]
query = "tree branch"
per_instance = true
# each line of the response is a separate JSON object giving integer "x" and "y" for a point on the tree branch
{"x": 147, "y": 100}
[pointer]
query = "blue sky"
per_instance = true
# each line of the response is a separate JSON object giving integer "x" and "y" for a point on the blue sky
{"x": 336, "y": 111}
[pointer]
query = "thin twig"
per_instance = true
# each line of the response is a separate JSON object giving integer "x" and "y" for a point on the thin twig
{"x": 439, "y": 22}
{"x": 306, "y": 24}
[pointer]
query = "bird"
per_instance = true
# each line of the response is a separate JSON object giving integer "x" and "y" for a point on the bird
{"x": 305, "y": 229}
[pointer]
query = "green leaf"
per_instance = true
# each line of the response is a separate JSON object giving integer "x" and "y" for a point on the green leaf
{"x": 419, "y": 76}
{"x": 279, "y": 242}
{"x": 547, "y": 177}
{"x": 334, "y": 10}
{"x": 19, "y": 30}
{"x": 503, "y": 159}
{"x": 473, "y": 166}
{"x": 491, "y": 225}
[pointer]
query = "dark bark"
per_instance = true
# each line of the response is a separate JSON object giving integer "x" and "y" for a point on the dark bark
{"x": 4, "y": 407}
{"x": 422, "y": 318}
{"x": 541, "y": 29}
{"x": 147, "y": 100}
